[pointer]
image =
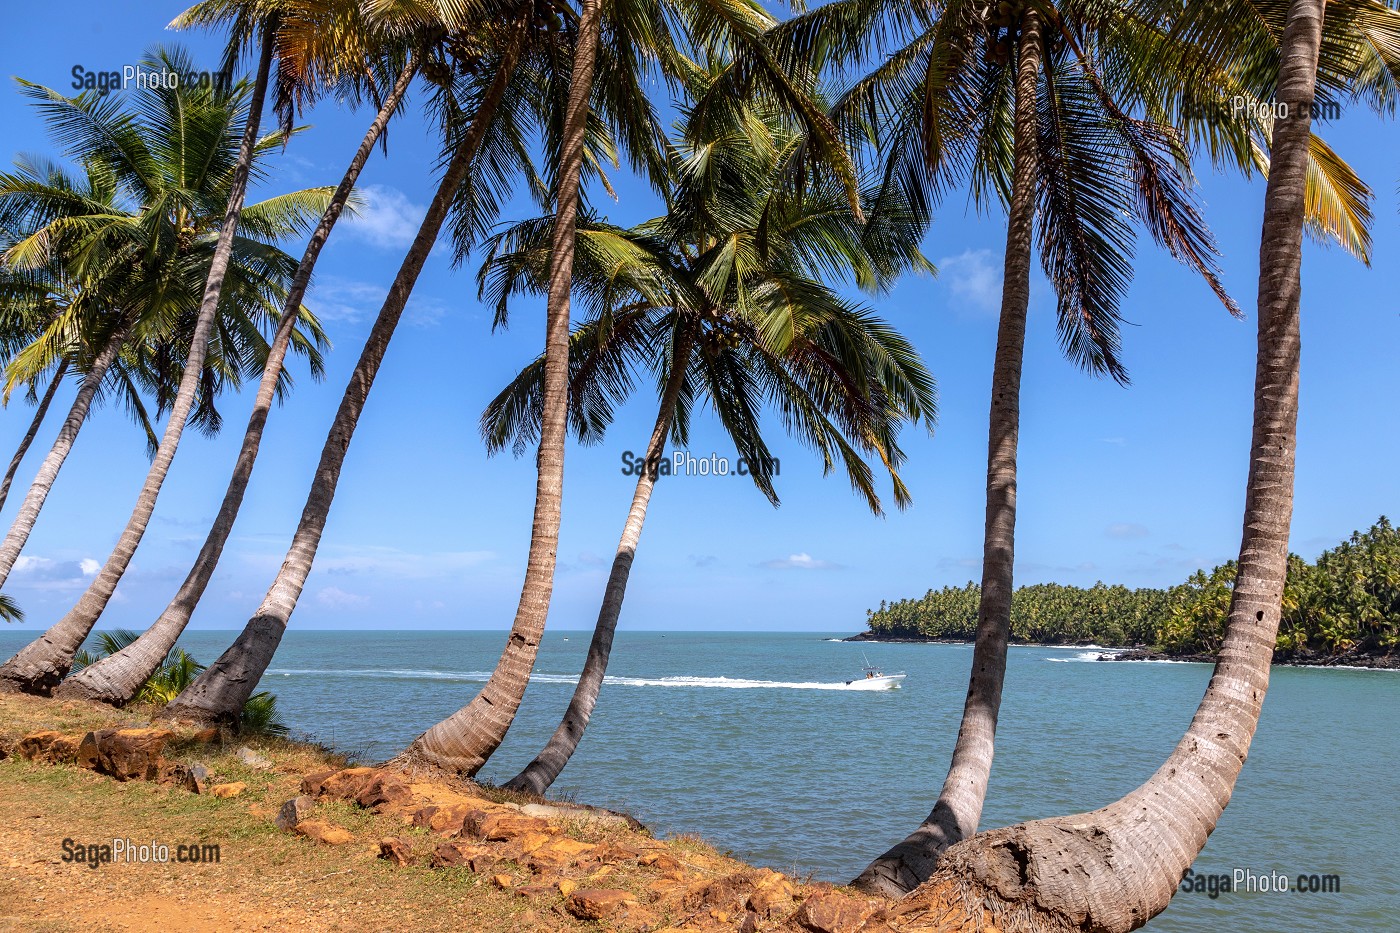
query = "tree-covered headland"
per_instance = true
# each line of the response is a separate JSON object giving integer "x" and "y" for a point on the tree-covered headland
{"x": 1345, "y": 603}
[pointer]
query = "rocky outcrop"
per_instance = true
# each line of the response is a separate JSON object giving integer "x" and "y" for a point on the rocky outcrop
{"x": 48, "y": 747}
{"x": 125, "y": 754}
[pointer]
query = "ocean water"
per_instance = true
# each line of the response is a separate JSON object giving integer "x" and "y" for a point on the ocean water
{"x": 753, "y": 741}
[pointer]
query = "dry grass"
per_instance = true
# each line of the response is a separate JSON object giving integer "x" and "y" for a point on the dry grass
{"x": 266, "y": 879}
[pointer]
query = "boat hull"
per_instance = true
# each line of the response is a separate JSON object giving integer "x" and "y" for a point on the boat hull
{"x": 883, "y": 682}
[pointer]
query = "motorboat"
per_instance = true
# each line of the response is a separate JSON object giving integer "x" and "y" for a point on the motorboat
{"x": 876, "y": 679}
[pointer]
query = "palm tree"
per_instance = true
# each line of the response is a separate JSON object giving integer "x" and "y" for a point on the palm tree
{"x": 1115, "y": 868}
{"x": 618, "y": 106}
{"x": 495, "y": 83}
{"x": 1032, "y": 104}
{"x": 1004, "y": 98}
{"x": 175, "y": 672}
{"x": 178, "y": 160}
{"x": 40, "y": 411}
{"x": 723, "y": 293}
{"x": 465, "y": 741}
{"x": 117, "y": 678}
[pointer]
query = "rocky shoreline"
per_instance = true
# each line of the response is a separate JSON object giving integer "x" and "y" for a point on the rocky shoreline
{"x": 1383, "y": 662}
{"x": 1350, "y": 659}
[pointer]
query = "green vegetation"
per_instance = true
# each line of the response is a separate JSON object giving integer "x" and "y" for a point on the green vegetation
{"x": 1348, "y": 601}
{"x": 176, "y": 672}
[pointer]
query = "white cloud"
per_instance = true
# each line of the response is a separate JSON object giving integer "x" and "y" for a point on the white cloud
{"x": 336, "y": 598}
{"x": 1123, "y": 530}
{"x": 803, "y": 561}
{"x": 385, "y": 218}
{"x": 392, "y": 562}
{"x": 973, "y": 277}
{"x": 346, "y": 300}
{"x": 45, "y": 573}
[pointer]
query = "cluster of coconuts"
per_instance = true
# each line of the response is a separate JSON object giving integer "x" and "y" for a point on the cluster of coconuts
{"x": 1003, "y": 22}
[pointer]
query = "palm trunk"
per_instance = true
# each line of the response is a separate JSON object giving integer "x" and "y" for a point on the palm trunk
{"x": 958, "y": 810}
{"x": 463, "y": 741}
{"x": 1114, "y": 869}
{"x": 539, "y": 774}
{"x": 218, "y": 694}
{"x": 117, "y": 678}
{"x": 28, "y": 438}
{"x": 28, "y": 512}
{"x": 40, "y": 666}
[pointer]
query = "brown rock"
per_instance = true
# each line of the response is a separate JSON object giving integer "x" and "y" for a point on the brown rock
{"x": 125, "y": 754}
{"x": 311, "y": 784}
{"x": 830, "y": 913}
{"x": 567, "y": 886}
{"x": 660, "y": 861}
{"x": 293, "y": 812}
{"x": 396, "y": 851}
{"x": 535, "y": 890}
{"x": 560, "y": 853}
{"x": 445, "y": 820}
{"x": 347, "y": 783}
{"x": 613, "y": 854}
{"x": 384, "y": 791}
{"x": 193, "y": 778}
{"x": 479, "y": 859}
{"x": 598, "y": 903}
{"x": 48, "y": 746}
{"x": 323, "y": 832}
{"x": 502, "y": 826}
{"x": 232, "y": 789}
{"x": 773, "y": 895}
{"x": 504, "y": 882}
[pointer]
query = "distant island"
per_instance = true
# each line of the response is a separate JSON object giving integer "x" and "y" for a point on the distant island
{"x": 1341, "y": 610}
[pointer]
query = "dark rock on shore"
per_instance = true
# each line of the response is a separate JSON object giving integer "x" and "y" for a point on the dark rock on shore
{"x": 1387, "y": 662}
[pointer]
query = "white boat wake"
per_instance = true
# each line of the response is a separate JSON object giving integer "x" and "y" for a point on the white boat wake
{"x": 725, "y": 683}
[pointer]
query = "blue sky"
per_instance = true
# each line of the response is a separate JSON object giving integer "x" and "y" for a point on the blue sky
{"x": 1139, "y": 485}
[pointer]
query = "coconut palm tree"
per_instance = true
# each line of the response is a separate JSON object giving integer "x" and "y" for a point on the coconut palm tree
{"x": 1115, "y": 868}
{"x": 721, "y": 299}
{"x": 116, "y": 678}
{"x": 634, "y": 32}
{"x": 1061, "y": 113}
{"x": 480, "y": 112}
{"x": 174, "y": 161}
{"x": 609, "y": 78}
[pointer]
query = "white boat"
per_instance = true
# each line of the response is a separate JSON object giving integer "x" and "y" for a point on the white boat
{"x": 876, "y": 679}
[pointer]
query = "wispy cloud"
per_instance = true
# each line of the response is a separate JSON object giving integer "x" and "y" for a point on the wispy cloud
{"x": 803, "y": 561}
{"x": 335, "y": 598}
{"x": 1126, "y": 530}
{"x": 335, "y": 299}
{"x": 386, "y": 218}
{"x": 973, "y": 277}
{"x": 45, "y": 573}
{"x": 393, "y": 562}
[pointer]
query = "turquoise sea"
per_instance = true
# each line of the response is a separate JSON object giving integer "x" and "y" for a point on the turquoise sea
{"x": 751, "y": 741}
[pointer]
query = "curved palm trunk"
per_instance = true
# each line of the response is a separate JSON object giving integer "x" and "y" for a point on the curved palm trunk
{"x": 218, "y": 694}
{"x": 958, "y": 810}
{"x": 28, "y": 438}
{"x": 547, "y": 765}
{"x": 463, "y": 741}
{"x": 44, "y": 479}
{"x": 43, "y": 663}
{"x": 1114, "y": 869}
{"x": 116, "y": 678}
